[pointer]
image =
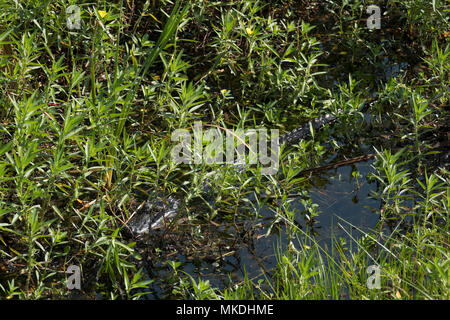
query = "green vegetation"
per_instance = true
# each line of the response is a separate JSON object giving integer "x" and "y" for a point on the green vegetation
{"x": 87, "y": 115}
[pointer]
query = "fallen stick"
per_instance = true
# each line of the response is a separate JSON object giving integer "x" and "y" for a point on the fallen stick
{"x": 337, "y": 164}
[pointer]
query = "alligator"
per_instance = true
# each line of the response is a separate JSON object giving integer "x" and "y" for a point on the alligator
{"x": 158, "y": 211}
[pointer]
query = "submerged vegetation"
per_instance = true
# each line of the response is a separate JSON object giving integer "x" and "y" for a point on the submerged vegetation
{"x": 88, "y": 112}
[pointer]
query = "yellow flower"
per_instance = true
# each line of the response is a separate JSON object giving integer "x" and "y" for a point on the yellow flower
{"x": 249, "y": 31}
{"x": 102, "y": 13}
{"x": 223, "y": 91}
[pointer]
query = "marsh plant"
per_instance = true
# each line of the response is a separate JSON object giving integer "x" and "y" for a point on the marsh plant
{"x": 88, "y": 109}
